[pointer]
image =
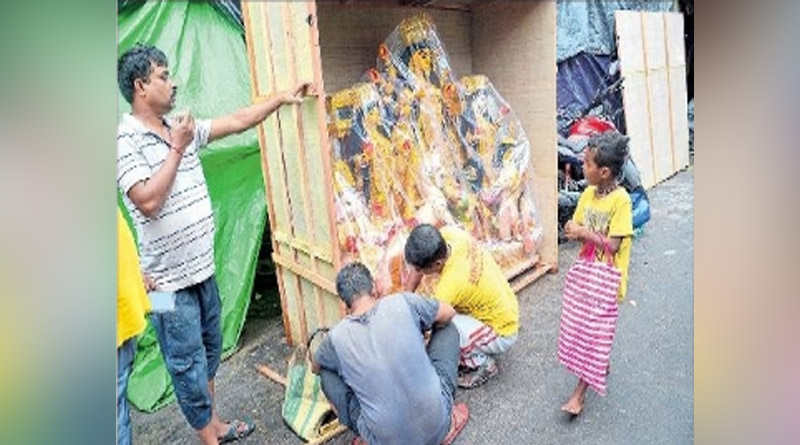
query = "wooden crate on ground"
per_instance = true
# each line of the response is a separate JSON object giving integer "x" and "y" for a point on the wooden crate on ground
{"x": 331, "y": 44}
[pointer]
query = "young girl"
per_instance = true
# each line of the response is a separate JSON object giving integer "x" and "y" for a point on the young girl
{"x": 602, "y": 220}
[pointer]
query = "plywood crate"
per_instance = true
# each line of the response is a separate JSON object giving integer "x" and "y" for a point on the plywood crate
{"x": 653, "y": 65}
{"x": 332, "y": 44}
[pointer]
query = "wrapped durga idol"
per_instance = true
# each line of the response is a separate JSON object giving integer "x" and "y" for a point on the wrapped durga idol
{"x": 412, "y": 144}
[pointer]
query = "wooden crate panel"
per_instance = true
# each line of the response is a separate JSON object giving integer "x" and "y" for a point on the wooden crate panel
{"x": 294, "y": 304}
{"x": 316, "y": 181}
{"x": 658, "y": 92}
{"x": 637, "y": 121}
{"x": 673, "y": 29}
{"x": 259, "y": 49}
{"x": 654, "y": 93}
{"x": 275, "y": 176}
{"x": 676, "y": 62}
{"x": 680, "y": 117}
{"x": 630, "y": 46}
{"x": 282, "y": 49}
{"x": 312, "y": 306}
{"x": 514, "y": 45}
{"x": 516, "y": 50}
{"x": 660, "y": 124}
{"x": 334, "y": 308}
{"x": 299, "y": 27}
{"x": 653, "y": 35}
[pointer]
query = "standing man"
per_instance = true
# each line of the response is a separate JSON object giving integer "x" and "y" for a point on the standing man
{"x": 163, "y": 187}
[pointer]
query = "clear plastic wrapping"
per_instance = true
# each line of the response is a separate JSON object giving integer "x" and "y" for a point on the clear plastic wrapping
{"x": 412, "y": 145}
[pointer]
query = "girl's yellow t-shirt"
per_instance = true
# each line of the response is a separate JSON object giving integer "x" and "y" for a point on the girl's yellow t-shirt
{"x": 611, "y": 216}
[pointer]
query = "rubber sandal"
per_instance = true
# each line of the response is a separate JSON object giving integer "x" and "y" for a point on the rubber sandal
{"x": 235, "y": 434}
{"x": 479, "y": 376}
{"x": 458, "y": 420}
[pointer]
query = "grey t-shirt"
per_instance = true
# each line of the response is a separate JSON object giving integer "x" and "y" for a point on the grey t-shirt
{"x": 381, "y": 356}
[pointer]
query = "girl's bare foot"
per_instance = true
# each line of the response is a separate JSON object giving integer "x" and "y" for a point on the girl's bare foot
{"x": 574, "y": 405}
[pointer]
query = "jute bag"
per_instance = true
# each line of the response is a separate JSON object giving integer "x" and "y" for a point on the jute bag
{"x": 305, "y": 409}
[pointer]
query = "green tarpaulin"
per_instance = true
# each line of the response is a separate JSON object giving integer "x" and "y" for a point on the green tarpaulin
{"x": 208, "y": 61}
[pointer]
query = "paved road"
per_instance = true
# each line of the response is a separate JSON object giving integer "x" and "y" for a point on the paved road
{"x": 650, "y": 398}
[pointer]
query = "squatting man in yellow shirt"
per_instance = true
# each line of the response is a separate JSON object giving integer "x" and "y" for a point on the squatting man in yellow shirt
{"x": 472, "y": 282}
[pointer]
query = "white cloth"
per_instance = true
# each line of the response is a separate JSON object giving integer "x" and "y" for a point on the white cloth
{"x": 478, "y": 341}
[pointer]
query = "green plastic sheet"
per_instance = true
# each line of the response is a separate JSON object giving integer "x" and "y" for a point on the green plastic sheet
{"x": 208, "y": 60}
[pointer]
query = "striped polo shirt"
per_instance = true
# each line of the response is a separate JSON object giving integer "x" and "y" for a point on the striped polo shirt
{"x": 176, "y": 247}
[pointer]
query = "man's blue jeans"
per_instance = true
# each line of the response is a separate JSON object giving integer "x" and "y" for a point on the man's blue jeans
{"x": 190, "y": 338}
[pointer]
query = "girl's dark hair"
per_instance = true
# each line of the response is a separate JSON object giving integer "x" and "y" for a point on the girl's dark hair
{"x": 610, "y": 150}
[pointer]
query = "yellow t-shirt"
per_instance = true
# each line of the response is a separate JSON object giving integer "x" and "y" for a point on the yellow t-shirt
{"x": 610, "y": 216}
{"x": 473, "y": 283}
{"x": 132, "y": 301}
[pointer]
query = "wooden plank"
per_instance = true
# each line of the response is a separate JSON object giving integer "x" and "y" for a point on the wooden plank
{"x": 522, "y": 281}
{"x": 294, "y": 306}
{"x": 287, "y": 120}
{"x": 299, "y": 69}
{"x": 312, "y": 276}
{"x": 521, "y": 267}
{"x": 315, "y": 203}
{"x": 514, "y": 44}
{"x": 301, "y": 182}
{"x": 272, "y": 148}
{"x": 658, "y": 91}
{"x": 260, "y": 63}
{"x": 680, "y": 117}
{"x": 647, "y": 99}
{"x": 311, "y": 305}
{"x": 332, "y": 304}
{"x": 252, "y": 45}
{"x": 630, "y": 48}
{"x": 287, "y": 321}
{"x": 636, "y": 120}
{"x": 676, "y": 63}
{"x": 302, "y": 314}
{"x": 259, "y": 59}
{"x": 673, "y": 30}
{"x": 629, "y": 42}
{"x": 324, "y": 142}
{"x": 272, "y": 375}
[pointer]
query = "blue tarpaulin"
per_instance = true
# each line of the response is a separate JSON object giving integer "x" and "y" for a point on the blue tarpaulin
{"x": 588, "y": 26}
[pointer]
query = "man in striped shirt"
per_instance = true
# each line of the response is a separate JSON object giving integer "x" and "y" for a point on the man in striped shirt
{"x": 164, "y": 190}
